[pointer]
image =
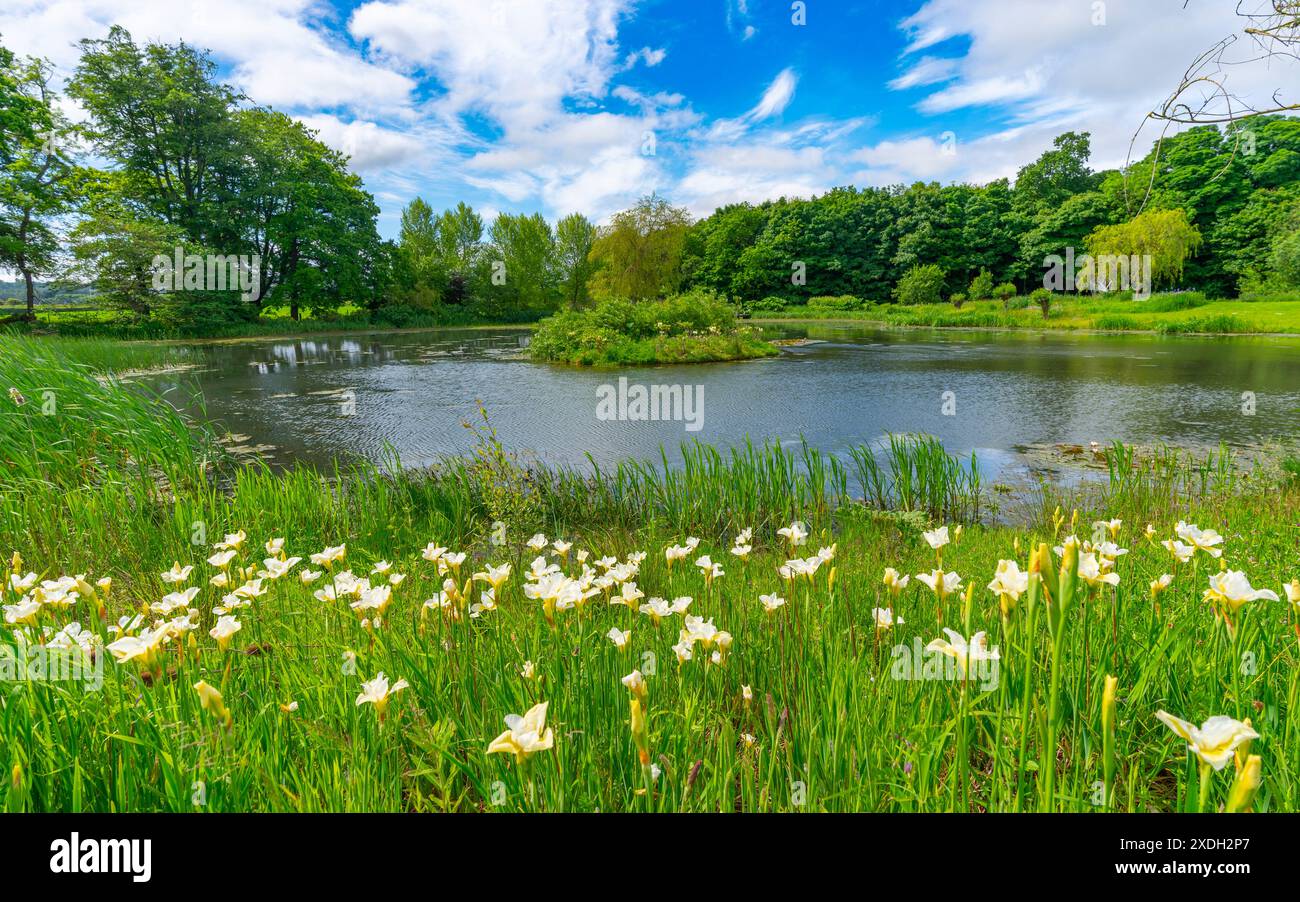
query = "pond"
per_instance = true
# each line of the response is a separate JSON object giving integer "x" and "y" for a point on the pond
{"x": 1004, "y": 396}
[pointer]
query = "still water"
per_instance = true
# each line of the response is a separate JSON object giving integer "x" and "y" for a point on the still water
{"x": 996, "y": 394}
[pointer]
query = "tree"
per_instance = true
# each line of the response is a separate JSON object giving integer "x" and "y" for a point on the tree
{"x": 243, "y": 183}
{"x": 1284, "y": 262}
{"x": 158, "y": 113}
{"x": 114, "y": 251}
{"x": 641, "y": 251}
{"x": 524, "y": 276}
{"x": 981, "y": 287}
{"x": 302, "y": 212}
{"x": 575, "y": 235}
{"x": 460, "y": 244}
{"x": 712, "y": 256}
{"x": 1057, "y": 175}
{"x": 37, "y": 177}
{"x": 920, "y": 285}
{"x": 1163, "y": 235}
{"x": 21, "y": 114}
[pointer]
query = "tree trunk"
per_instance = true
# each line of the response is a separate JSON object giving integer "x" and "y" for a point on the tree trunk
{"x": 31, "y": 295}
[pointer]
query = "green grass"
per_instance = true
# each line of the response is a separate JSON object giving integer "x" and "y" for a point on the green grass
{"x": 689, "y": 328}
{"x": 1169, "y": 314}
{"x": 270, "y": 322}
{"x": 828, "y": 726}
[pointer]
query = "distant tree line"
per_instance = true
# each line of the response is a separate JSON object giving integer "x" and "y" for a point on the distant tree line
{"x": 1220, "y": 207}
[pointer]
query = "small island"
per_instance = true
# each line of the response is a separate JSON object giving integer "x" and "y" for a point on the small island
{"x": 696, "y": 327}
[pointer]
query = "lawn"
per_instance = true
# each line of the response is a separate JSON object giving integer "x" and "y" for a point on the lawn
{"x": 1161, "y": 313}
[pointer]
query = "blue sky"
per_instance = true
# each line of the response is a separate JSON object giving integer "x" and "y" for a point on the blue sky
{"x": 584, "y": 105}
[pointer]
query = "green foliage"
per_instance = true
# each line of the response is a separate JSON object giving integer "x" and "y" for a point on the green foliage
{"x": 192, "y": 165}
{"x": 1284, "y": 261}
{"x": 920, "y": 285}
{"x": 1043, "y": 299}
{"x": 640, "y": 253}
{"x": 770, "y": 304}
{"x": 692, "y": 327}
{"x": 575, "y": 235}
{"x": 1165, "y": 236}
{"x": 861, "y": 242}
{"x": 524, "y": 278}
{"x": 38, "y": 181}
{"x": 840, "y": 303}
{"x": 981, "y": 287}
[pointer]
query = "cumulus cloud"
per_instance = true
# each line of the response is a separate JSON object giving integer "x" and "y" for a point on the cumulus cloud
{"x": 1039, "y": 67}
{"x": 369, "y": 145}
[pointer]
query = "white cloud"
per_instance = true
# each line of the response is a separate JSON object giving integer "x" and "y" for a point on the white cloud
{"x": 892, "y": 162}
{"x": 984, "y": 91}
{"x": 370, "y": 146}
{"x": 1036, "y": 68}
{"x": 777, "y": 96}
{"x": 280, "y": 51}
{"x": 928, "y": 70}
{"x": 517, "y": 62}
{"x": 536, "y": 105}
{"x": 651, "y": 57}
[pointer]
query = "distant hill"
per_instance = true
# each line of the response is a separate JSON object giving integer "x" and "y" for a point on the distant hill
{"x": 47, "y": 294}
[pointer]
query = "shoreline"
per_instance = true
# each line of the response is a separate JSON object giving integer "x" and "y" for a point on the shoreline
{"x": 1024, "y": 330}
{"x": 329, "y": 333}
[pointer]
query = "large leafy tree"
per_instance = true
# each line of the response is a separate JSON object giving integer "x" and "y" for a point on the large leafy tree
{"x": 1166, "y": 236}
{"x": 21, "y": 114}
{"x": 460, "y": 248}
{"x": 235, "y": 180}
{"x": 303, "y": 213}
{"x": 113, "y": 248}
{"x": 640, "y": 252}
{"x": 1057, "y": 174}
{"x": 159, "y": 114}
{"x": 422, "y": 276}
{"x": 575, "y": 235}
{"x": 526, "y": 276}
{"x": 38, "y": 178}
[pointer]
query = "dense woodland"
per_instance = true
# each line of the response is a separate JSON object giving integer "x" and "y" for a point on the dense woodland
{"x": 193, "y": 164}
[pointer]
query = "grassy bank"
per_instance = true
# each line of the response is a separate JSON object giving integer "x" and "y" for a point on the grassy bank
{"x": 1164, "y": 314}
{"x": 803, "y": 707}
{"x": 272, "y": 322}
{"x": 693, "y": 328}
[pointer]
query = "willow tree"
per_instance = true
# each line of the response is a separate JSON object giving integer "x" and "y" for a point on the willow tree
{"x": 1166, "y": 237}
{"x": 640, "y": 251}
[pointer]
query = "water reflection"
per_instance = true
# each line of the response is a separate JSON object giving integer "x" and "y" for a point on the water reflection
{"x": 317, "y": 398}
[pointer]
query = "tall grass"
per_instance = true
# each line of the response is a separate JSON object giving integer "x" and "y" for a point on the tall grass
{"x": 67, "y": 421}
{"x": 922, "y": 476}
